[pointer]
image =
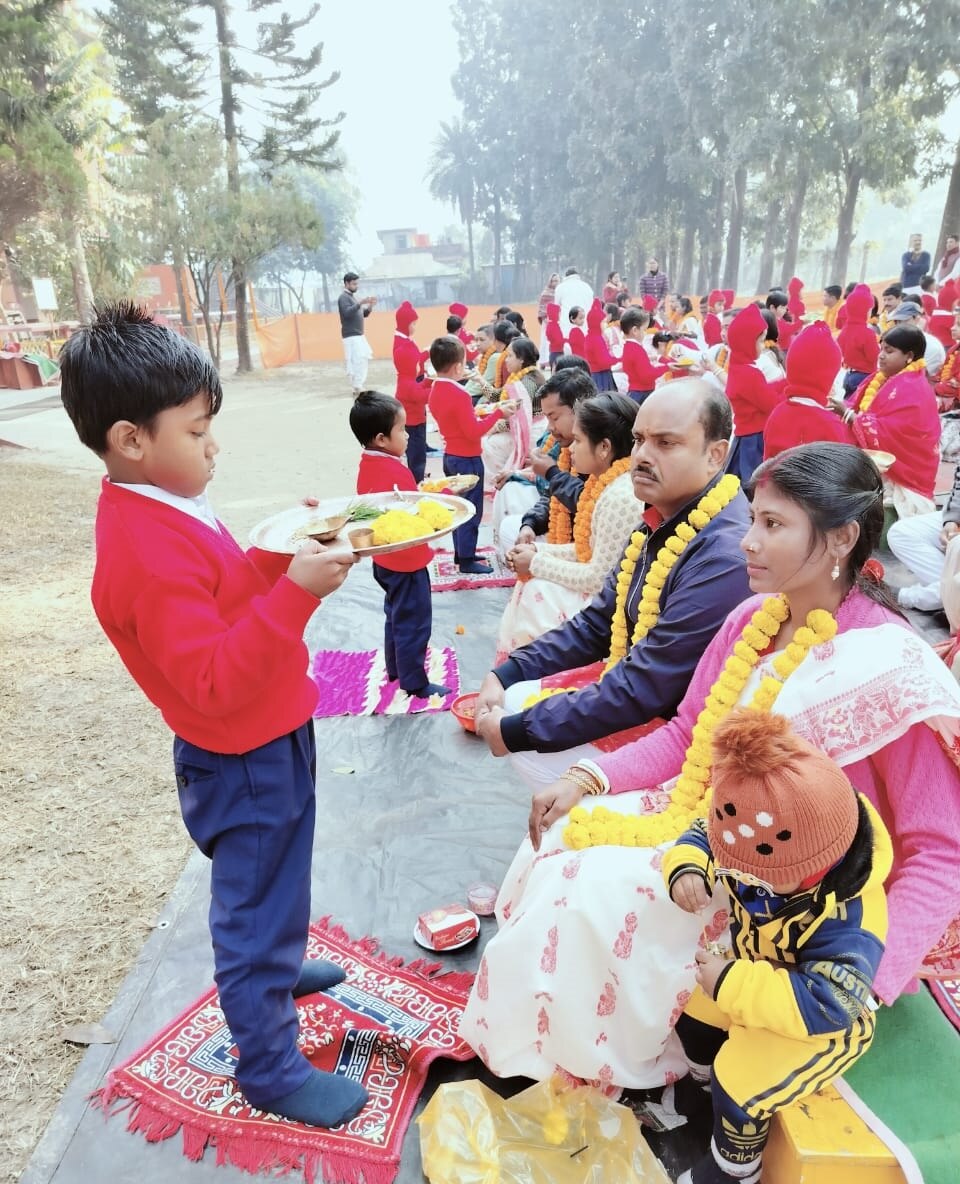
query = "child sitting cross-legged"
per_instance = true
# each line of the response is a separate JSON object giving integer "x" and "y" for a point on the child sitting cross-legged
{"x": 379, "y": 424}
{"x": 213, "y": 635}
{"x": 803, "y": 858}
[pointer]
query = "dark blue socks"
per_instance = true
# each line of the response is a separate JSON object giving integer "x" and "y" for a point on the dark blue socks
{"x": 324, "y": 1099}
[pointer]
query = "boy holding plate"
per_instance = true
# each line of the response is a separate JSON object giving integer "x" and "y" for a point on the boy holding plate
{"x": 213, "y": 635}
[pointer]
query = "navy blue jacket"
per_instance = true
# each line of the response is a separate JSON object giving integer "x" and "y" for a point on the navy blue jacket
{"x": 706, "y": 583}
{"x": 565, "y": 487}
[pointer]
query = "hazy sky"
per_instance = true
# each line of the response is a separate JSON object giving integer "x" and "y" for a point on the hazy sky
{"x": 396, "y": 60}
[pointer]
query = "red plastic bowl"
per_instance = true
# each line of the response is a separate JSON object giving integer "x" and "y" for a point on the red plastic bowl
{"x": 463, "y": 708}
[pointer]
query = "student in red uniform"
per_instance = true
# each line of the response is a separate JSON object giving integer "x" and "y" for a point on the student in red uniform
{"x": 598, "y": 355}
{"x": 412, "y": 389}
{"x": 462, "y": 430}
{"x": 712, "y": 324}
{"x": 554, "y": 334}
{"x": 641, "y": 373}
{"x": 813, "y": 363}
{"x": 378, "y": 422}
{"x": 213, "y": 635}
{"x": 859, "y": 344}
{"x": 575, "y": 335}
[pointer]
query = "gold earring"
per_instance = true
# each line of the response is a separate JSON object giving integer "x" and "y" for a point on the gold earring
{"x": 835, "y": 572}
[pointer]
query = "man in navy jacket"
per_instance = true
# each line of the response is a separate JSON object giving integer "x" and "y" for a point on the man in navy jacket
{"x": 681, "y": 438}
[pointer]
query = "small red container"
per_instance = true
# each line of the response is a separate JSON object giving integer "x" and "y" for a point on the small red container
{"x": 464, "y": 708}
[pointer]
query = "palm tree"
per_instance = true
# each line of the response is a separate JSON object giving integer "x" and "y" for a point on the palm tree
{"x": 452, "y": 176}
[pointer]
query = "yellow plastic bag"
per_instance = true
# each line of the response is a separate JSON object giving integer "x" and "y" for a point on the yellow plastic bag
{"x": 551, "y": 1133}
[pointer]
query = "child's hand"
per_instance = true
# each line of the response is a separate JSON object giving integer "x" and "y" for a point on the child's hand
{"x": 320, "y": 570}
{"x": 509, "y": 408}
{"x": 709, "y": 967}
{"x": 690, "y": 892}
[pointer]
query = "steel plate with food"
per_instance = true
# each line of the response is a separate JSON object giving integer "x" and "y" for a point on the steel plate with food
{"x": 883, "y": 460}
{"x": 376, "y": 524}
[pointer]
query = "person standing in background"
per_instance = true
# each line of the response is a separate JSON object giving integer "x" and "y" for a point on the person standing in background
{"x": 353, "y": 312}
{"x": 914, "y": 265}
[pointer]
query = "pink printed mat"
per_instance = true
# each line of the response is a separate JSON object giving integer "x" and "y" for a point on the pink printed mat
{"x": 445, "y": 576}
{"x": 357, "y": 683}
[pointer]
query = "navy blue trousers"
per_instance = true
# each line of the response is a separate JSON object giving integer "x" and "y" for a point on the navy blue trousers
{"x": 417, "y": 450}
{"x": 603, "y": 380}
{"x": 252, "y": 815}
{"x": 746, "y": 454}
{"x": 640, "y": 397}
{"x": 465, "y": 537}
{"x": 406, "y": 631}
{"x": 852, "y": 380}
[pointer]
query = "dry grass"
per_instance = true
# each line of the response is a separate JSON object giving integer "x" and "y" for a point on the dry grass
{"x": 91, "y": 841}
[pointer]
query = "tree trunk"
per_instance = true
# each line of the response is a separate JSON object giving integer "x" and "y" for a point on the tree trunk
{"x": 731, "y": 266}
{"x": 326, "y": 292}
{"x": 845, "y": 231}
{"x": 473, "y": 266}
{"x": 716, "y": 238}
{"x": 950, "y": 223}
{"x": 703, "y": 266}
{"x": 497, "y": 249}
{"x": 770, "y": 228}
{"x": 228, "y": 106}
{"x": 794, "y": 217}
{"x": 186, "y": 320}
{"x": 82, "y": 289}
{"x": 685, "y": 273}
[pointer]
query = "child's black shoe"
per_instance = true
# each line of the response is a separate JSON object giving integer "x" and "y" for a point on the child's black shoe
{"x": 475, "y": 567}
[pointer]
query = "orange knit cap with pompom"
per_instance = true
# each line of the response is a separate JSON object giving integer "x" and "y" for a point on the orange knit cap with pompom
{"x": 781, "y": 810}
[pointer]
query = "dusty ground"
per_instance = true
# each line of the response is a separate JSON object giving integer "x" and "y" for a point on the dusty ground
{"x": 91, "y": 840}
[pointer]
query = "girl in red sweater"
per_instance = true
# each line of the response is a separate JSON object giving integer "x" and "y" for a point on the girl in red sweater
{"x": 412, "y": 389}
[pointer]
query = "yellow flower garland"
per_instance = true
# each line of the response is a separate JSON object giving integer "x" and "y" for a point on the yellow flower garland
{"x": 690, "y": 795}
{"x": 880, "y": 379}
{"x": 518, "y": 377}
{"x": 560, "y": 522}
{"x": 648, "y": 609}
{"x": 946, "y": 372}
{"x": 592, "y": 492}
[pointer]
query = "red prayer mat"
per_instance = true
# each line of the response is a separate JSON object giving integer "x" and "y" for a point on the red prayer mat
{"x": 382, "y": 1027}
{"x": 947, "y": 995}
{"x": 445, "y": 576}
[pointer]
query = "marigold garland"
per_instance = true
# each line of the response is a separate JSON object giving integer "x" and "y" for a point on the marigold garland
{"x": 690, "y": 794}
{"x": 484, "y": 358}
{"x": 949, "y": 365}
{"x": 592, "y": 492}
{"x": 648, "y": 607}
{"x": 518, "y": 377}
{"x": 560, "y": 522}
{"x": 723, "y": 357}
{"x": 880, "y": 379}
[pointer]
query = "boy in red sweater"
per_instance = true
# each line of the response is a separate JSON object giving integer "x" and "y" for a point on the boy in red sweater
{"x": 554, "y": 334}
{"x": 213, "y": 636}
{"x": 379, "y": 424}
{"x": 859, "y": 344}
{"x": 412, "y": 389}
{"x": 462, "y": 430}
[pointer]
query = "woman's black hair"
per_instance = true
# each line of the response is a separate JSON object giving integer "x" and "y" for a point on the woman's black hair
{"x": 613, "y": 312}
{"x": 571, "y": 362}
{"x": 525, "y": 350}
{"x": 663, "y": 338}
{"x": 505, "y": 332}
{"x": 515, "y": 319}
{"x": 686, "y": 305}
{"x": 608, "y": 416}
{"x": 908, "y": 339}
{"x": 834, "y": 484}
{"x": 773, "y": 334}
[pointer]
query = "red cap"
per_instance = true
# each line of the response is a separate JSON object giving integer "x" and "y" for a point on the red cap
{"x": 728, "y": 297}
{"x": 406, "y": 315}
{"x": 743, "y": 332}
{"x": 595, "y": 315}
{"x": 458, "y": 310}
{"x": 859, "y": 305}
{"x": 813, "y": 361}
{"x": 715, "y": 297}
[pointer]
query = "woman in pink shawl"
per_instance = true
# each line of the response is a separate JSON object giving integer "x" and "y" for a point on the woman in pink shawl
{"x": 592, "y": 963}
{"x": 895, "y": 410}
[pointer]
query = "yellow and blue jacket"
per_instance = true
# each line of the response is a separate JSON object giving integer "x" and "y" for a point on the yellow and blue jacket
{"x": 803, "y": 965}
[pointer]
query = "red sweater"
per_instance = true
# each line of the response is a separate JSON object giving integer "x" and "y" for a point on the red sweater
{"x": 577, "y": 341}
{"x": 641, "y": 373}
{"x": 712, "y": 329}
{"x": 378, "y": 473}
{"x": 599, "y": 357}
{"x": 211, "y": 635}
{"x": 858, "y": 343}
{"x": 793, "y": 423}
{"x": 751, "y": 396}
{"x": 461, "y": 428}
{"x": 408, "y": 362}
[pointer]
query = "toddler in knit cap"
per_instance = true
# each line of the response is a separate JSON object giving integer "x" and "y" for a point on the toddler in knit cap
{"x": 802, "y": 857}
